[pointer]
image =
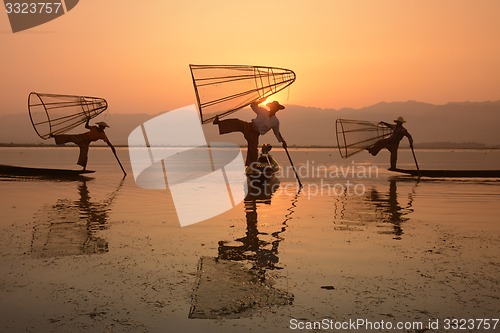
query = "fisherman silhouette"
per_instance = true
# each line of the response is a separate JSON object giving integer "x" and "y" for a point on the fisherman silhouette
{"x": 83, "y": 140}
{"x": 263, "y": 123}
{"x": 392, "y": 143}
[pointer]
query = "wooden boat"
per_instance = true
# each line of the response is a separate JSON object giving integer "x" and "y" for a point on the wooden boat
{"x": 18, "y": 171}
{"x": 261, "y": 176}
{"x": 451, "y": 173}
{"x": 266, "y": 166}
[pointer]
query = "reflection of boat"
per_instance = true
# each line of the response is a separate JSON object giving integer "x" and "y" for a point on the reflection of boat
{"x": 12, "y": 170}
{"x": 452, "y": 173}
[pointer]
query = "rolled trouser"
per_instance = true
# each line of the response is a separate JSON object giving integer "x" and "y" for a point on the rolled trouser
{"x": 378, "y": 146}
{"x": 78, "y": 139}
{"x": 84, "y": 155}
{"x": 393, "y": 148}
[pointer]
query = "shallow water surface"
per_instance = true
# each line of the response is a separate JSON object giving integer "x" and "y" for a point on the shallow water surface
{"x": 102, "y": 254}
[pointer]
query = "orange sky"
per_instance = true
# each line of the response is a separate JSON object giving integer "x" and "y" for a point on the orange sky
{"x": 345, "y": 53}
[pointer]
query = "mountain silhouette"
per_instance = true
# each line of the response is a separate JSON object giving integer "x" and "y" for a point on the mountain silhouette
{"x": 472, "y": 122}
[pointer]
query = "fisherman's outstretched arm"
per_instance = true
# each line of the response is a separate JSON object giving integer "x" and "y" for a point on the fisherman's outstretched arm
{"x": 278, "y": 135}
{"x": 111, "y": 146}
{"x": 387, "y": 124}
{"x": 408, "y": 135}
{"x": 255, "y": 105}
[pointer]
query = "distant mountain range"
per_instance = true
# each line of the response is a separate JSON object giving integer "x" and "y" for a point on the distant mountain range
{"x": 455, "y": 125}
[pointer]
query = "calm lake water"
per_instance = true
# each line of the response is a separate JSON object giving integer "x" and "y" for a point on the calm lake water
{"x": 358, "y": 241}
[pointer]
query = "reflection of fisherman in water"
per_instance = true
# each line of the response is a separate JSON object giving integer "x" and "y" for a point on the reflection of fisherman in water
{"x": 389, "y": 205}
{"x": 226, "y": 287}
{"x": 95, "y": 213}
{"x": 83, "y": 140}
{"x": 262, "y": 254}
{"x": 392, "y": 143}
{"x": 68, "y": 227}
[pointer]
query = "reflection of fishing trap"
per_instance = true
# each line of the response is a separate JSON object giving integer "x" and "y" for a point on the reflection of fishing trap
{"x": 229, "y": 289}
{"x": 223, "y": 89}
{"x": 56, "y": 114}
{"x": 354, "y": 136}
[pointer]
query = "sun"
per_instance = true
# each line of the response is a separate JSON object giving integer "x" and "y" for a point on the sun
{"x": 265, "y": 102}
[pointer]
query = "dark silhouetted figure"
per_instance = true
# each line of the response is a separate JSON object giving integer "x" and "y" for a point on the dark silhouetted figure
{"x": 392, "y": 143}
{"x": 263, "y": 123}
{"x": 83, "y": 140}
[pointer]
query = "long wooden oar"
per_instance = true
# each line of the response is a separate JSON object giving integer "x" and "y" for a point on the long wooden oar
{"x": 415, "y": 159}
{"x": 120, "y": 163}
{"x": 293, "y": 167}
